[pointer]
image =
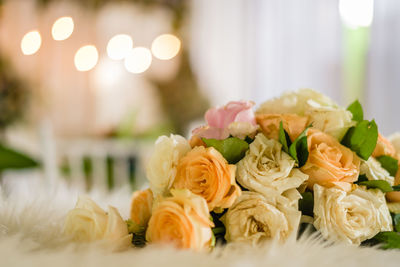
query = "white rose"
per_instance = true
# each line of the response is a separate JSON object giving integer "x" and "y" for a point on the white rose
{"x": 395, "y": 140}
{"x": 332, "y": 120}
{"x": 87, "y": 222}
{"x": 323, "y": 112}
{"x": 161, "y": 168}
{"x": 350, "y": 217}
{"x": 374, "y": 171}
{"x": 294, "y": 102}
{"x": 267, "y": 169}
{"x": 253, "y": 218}
{"x": 241, "y": 129}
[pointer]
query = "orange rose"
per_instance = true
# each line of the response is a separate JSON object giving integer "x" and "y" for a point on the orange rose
{"x": 329, "y": 163}
{"x": 141, "y": 205}
{"x": 292, "y": 123}
{"x": 383, "y": 147}
{"x": 196, "y": 141}
{"x": 181, "y": 220}
{"x": 205, "y": 172}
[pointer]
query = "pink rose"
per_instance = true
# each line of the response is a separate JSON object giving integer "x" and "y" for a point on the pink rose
{"x": 236, "y": 118}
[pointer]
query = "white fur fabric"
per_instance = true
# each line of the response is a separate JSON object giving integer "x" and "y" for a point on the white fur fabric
{"x": 31, "y": 220}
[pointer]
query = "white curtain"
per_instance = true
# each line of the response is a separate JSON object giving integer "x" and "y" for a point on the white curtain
{"x": 258, "y": 49}
{"x": 383, "y": 90}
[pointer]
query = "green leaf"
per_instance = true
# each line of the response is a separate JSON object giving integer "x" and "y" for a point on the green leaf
{"x": 396, "y": 222}
{"x": 389, "y": 163}
{"x": 12, "y": 159}
{"x": 284, "y": 138}
{"x": 396, "y": 188}
{"x": 299, "y": 148}
{"x": 233, "y": 149}
{"x": 362, "y": 138}
{"x": 387, "y": 240}
{"x": 380, "y": 184}
{"x": 306, "y": 204}
{"x": 356, "y": 109}
{"x": 361, "y": 178}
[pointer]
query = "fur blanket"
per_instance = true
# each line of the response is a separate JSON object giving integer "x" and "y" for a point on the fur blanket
{"x": 31, "y": 220}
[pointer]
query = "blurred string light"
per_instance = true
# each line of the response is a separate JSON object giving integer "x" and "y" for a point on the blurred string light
{"x": 165, "y": 46}
{"x": 86, "y": 58}
{"x": 62, "y": 28}
{"x": 119, "y": 46}
{"x": 356, "y": 13}
{"x": 138, "y": 60}
{"x": 31, "y": 43}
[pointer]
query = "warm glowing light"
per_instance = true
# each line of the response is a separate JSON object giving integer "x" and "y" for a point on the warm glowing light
{"x": 62, "y": 28}
{"x": 119, "y": 46}
{"x": 108, "y": 74}
{"x": 31, "y": 43}
{"x": 86, "y": 58}
{"x": 138, "y": 60}
{"x": 165, "y": 46}
{"x": 356, "y": 13}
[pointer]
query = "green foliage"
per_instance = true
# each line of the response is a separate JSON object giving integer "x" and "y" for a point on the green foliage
{"x": 362, "y": 138}
{"x": 233, "y": 149}
{"x": 12, "y": 159}
{"x": 219, "y": 228}
{"x": 379, "y": 184}
{"x": 284, "y": 138}
{"x": 298, "y": 149}
{"x": 389, "y": 163}
{"x": 138, "y": 232}
{"x": 386, "y": 240}
{"x": 306, "y": 204}
{"x": 356, "y": 109}
{"x": 396, "y": 222}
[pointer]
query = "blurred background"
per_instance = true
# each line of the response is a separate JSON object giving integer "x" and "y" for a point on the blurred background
{"x": 87, "y": 85}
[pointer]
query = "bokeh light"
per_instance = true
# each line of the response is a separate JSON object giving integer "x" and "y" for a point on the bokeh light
{"x": 86, "y": 58}
{"x": 138, "y": 60}
{"x": 62, "y": 28}
{"x": 166, "y": 46}
{"x": 356, "y": 13}
{"x": 119, "y": 46}
{"x": 31, "y": 43}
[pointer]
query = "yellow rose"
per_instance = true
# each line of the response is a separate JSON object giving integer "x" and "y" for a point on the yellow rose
{"x": 292, "y": 123}
{"x": 161, "y": 167}
{"x": 267, "y": 169}
{"x": 350, "y": 217}
{"x": 329, "y": 163}
{"x": 141, "y": 205}
{"x": 206, "y": 173}
{"x": 255, "y": 218}
{"x": 182, "y": 220}
{"x": 87, "y": 222}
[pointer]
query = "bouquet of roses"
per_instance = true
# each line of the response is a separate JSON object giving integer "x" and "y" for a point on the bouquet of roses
{"x": 254, "y": 176}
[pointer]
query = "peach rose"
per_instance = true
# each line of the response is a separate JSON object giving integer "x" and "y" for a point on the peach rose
{"x": 181, "y": 220}
{"x": 292, "y": 123}
{"x": 383, "y": 147}
{"x": 329, "y": 163}
{"x": 205, "y": 172}
{"x": 141, "y": 205}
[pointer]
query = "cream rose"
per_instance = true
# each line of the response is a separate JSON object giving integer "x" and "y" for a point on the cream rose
{"x": 292, "y": 123}
{"x": 350, "y": 217}
{"x": 87, "y": 222}
{"x": 182, "y": 220}
{"x": 161, "y": 168}
{"x": 374, "y": 171}
{"x": 255, "y": 218}
{"x": 322, "y": 112}
{"x": 329, "y": 163}
{"x": 267, "y": 169}
{"x": 205, "y": 172}
{"x": 141, "y": 206}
